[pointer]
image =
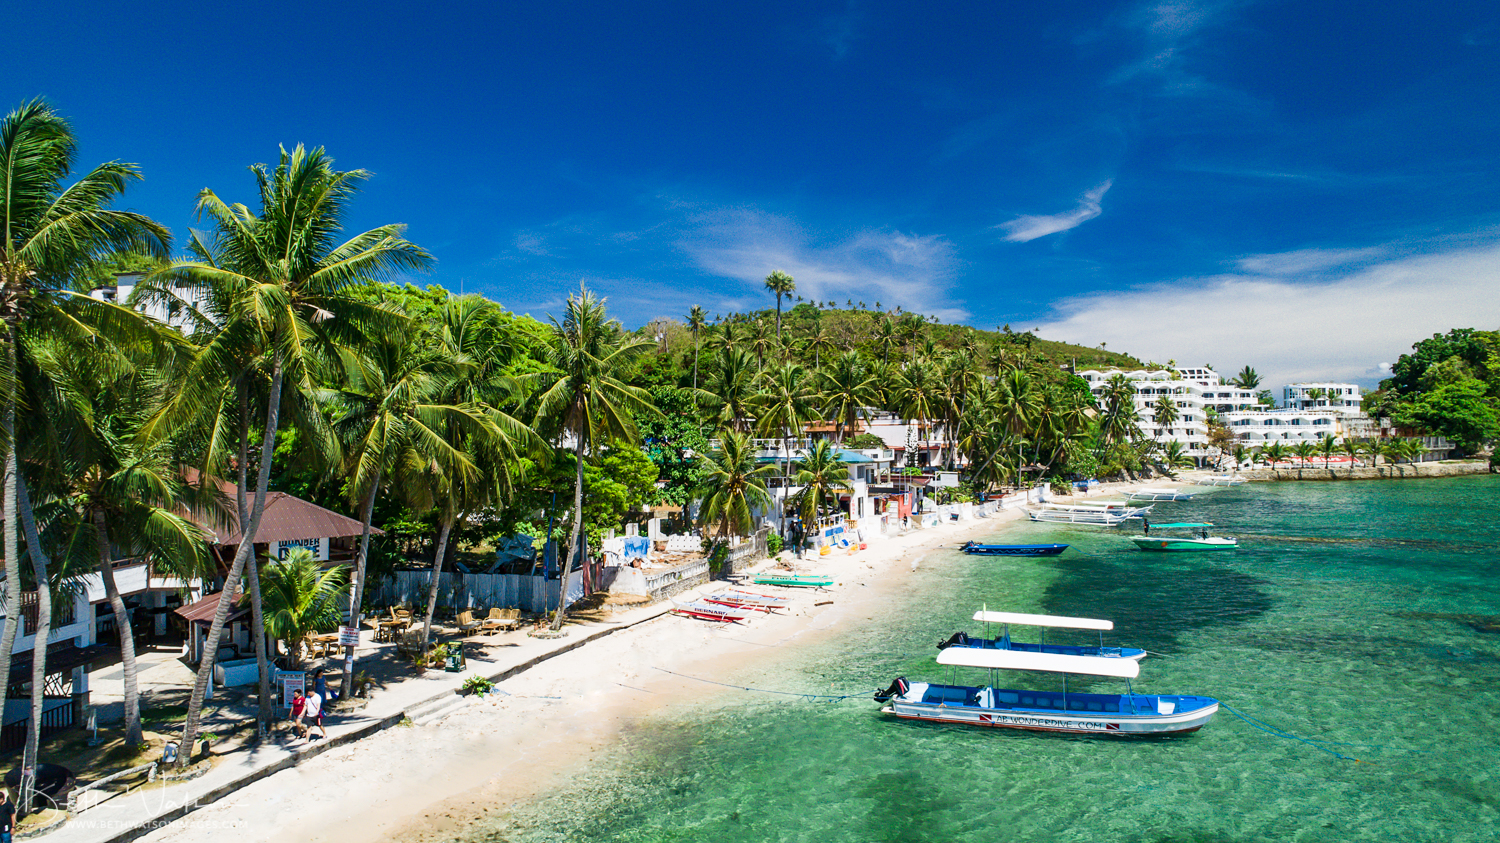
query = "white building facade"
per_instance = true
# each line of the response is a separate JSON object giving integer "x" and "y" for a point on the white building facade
{"x": 1343, "y": 398}
{"x": 174, "y": 314}
{"x": 1193, "y": 392}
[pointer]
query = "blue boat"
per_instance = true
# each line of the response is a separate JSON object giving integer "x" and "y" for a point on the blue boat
{"x": 1004, "y": 642}
{"x": 1013, "y": 549}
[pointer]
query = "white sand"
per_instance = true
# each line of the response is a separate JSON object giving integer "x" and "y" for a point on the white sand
{"x": 430, "y": 782}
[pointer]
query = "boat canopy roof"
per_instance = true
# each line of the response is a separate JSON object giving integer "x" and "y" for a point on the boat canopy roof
{"x": 1047, "y": 662}
{"x": 1169, "y": 526}
{"x": 1043, "y": 620}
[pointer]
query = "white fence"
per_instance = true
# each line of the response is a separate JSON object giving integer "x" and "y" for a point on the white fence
{"x": 457, "y": 592}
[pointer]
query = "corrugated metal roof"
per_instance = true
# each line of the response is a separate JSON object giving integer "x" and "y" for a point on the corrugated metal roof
{"x": 288, "y": 518}
{"x": 202, "y": 610}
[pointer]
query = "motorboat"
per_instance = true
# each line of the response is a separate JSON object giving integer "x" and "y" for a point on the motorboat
{"x": 1045, "y": 622}
{"x": 1196, "y": 538}
{"x": 1109, "y": 715}
{"x": 1101, "y": 513}
{"x": 1161, "y": 493}
{"x": 1013, "y": 549}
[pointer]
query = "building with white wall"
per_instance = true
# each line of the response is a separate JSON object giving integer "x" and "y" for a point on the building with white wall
{"x": 1341, "y": 398}
{"x": 1194, "y": 392}
{"x": 173, "y": 314}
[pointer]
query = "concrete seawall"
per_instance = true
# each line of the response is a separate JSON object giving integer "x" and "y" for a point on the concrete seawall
{"x": 1442, "y": 468}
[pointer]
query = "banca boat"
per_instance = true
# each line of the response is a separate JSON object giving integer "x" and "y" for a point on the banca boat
{"x": 1005, "y": 642}
{"x": 1101, "y": 513}
{"x": 747, "y": 600}
{"x": 706, "y": 611}
{"x": 1161, "y": 493}
{"x": 793, "y": 580}
{"x": 1110, "y": 715}
{"x": 1197, "y": 540}
{"x": 1221, "y": 480}
{"x": 1013, "y": 549}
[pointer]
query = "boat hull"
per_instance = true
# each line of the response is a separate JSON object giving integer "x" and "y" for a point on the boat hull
{"x": 1014, "y": 549}
{"x": 794, "y": 582}
{"x": 1183, "y": 545}
{"x": 1133, "y": 715}
{"x": 1115, "y": 727}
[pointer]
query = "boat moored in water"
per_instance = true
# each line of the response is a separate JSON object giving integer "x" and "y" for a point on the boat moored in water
{"x": 1045, "y": 622}
{"x": 1197, "y": 539}
{"x": 1099, "y": 513}
{"x": 1013, "y": 549}
{"x": 1160, "y": 493}
{"x": 1221, "y": 480}
{"x": 1110, "y": 715}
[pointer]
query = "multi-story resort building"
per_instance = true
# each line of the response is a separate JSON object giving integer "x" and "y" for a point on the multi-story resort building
{"x": 1341, "y": 398}
{"x": 1194, "y": 392}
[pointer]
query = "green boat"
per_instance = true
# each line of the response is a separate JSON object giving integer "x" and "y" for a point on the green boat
{"x": 1199, "y": 540}
{"x": 793, "y": 580}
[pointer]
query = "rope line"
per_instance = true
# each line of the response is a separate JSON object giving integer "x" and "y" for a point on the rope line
{"x": 1272, "y": 730}
{"x": 806, "y": 697}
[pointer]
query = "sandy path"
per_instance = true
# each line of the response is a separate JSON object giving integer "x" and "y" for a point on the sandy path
{"x": 429, "y": 782}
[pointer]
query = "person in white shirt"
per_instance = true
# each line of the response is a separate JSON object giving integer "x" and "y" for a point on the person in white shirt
{"x": 312, "y": 712}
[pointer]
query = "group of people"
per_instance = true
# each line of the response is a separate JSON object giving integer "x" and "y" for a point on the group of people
{"x": 307, "y": 709}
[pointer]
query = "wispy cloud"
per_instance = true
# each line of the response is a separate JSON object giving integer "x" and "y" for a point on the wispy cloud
{"x": 1025, "y": 228}
{"x": 892, "y": 267}
{"x": 840, "y": 31}
{"x": 1324, "y": 320}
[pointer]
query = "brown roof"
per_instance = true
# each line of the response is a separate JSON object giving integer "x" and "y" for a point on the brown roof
{"x": 202, "y": 610}
{"x": 288, "y": 518}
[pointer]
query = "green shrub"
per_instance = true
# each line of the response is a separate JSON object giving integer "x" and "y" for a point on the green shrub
{"x": 774, "y": 544}
{"x": 478, "y": 685}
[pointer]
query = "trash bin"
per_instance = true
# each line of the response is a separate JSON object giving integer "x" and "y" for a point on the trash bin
{"x": 455, "y": 662}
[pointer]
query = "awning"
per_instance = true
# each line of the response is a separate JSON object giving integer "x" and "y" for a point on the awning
{"x": 61, "y": 656}
{"x": 202, "y": 610}
{"x": 1048, "y": 662}
{"x": 1054, "y": 621}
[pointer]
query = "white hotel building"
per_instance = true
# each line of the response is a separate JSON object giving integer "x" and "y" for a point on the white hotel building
{"x": 1194, "y": 391}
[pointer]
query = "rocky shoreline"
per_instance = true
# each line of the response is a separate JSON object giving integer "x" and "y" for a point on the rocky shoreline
{"x": 1441, "y": 468}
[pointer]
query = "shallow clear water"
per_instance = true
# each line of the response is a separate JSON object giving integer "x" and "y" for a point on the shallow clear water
{"x": 1361, "y": 613}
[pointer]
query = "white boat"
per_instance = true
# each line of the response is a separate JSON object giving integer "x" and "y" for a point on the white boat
{"x": 1112, "y": 715}
{"x": 1196, "y": 538}
{"x": 1105, "y": 513}
{"x": 1221, "y": 480}
{"x": 1161, "y": 493}
{"x": 1045, "y": 622}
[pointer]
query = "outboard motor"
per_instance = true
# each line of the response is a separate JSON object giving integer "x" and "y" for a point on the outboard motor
{"x": 897, "y": 689}
{"x": 959, "y": 639}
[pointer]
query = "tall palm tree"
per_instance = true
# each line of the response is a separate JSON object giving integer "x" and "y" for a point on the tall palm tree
{"x": 760, "y": 341}
{"x": 786, "y": 401}
{"x": 822, "y": 474}
{"x": 1120, "y": 416}
{"x": 1327, "y": 445}
{"x": 585, "y": 397}
{"x": 51, "y": 232}
{"x": 696, "y": 320}
{"x": 732, "y": 387}
{"x": 818, "y": 340}
{"x": 282, "y": 273}
{"x": 886, "y": 335}
{"x": 302, "y": 598}
{"x": 1164, "y": 412}
{"x": 781, "y": 284}
{"x": 1304, "y": 451}
{"x": 916, "y": 395}
{"x": 846, "y": 387}
{"x": 732, "y": 485}
{"x": 1247, "y": 378}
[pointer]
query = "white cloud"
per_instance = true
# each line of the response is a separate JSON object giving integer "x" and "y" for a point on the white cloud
{"x": 1317, "y": 326}
{"x": 1025, "y": 228}
{"x": 894, "y": 268}
{"x": 1306, "y": 260}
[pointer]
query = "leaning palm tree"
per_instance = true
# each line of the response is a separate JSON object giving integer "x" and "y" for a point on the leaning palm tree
{"x": 822, "y": 474}
{"x": 302, "y": 598}
{"x": 781, "y": 284}
{"x": 846, "y": 387}
{"x": 584, "y": 396}
{"x": 733, "y": 484}
{"x": 282, "y": 275}
{"x": 51, "y": 233}
{"x": 785, "y": 402}
{"x": 695, "y": 321}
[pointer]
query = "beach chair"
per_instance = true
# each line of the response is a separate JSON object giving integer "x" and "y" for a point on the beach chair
{"x": 501, "y": 619}
{"x": 466, "y": 622}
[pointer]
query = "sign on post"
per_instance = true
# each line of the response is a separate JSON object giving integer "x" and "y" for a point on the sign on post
{"x": 348, "y": 636}
{"x": 290, "y": 681}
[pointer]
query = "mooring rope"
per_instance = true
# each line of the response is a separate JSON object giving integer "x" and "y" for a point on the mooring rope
{"x": 805, "y": 696}
{"x": 1315, "y": 743}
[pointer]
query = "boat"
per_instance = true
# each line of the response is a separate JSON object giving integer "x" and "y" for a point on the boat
{"x": 747, "y": 600}
{"x": 1004, "y": 642}
{"x": 793, "y": 580}
{"x": 1161, "y": 493}
{"x": 1101, "y": 513}
{"x": 1221, "y": 480}
{"x": 1109, "y": 715}
{"x": 706, "y": 611}
{"x": 1195, "y": 541}
{"x": 1013, "y": 549}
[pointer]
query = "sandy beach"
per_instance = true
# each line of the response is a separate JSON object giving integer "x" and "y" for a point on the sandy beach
{"x": 428, "y": 782}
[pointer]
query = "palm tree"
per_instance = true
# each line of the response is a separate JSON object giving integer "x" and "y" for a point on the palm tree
{"x": 1239, "y": 453}
{"x": 1315, "y": 395}
{"x": 1172, "y": 457}
{"x": 51, "y": 233}
{"x": 1352, "y": 448}
{"x": 761, "y": 341}
{"x": 786, "y": 400}
{"x": 1327, "y": 445}
{"x": 302, "y": 598}
{"x": 696, "y": 320}
{"x": 585, "y": 397}
{"x": 732, "y": 386}
{"x": 281, "y": 273}
{"x": 1411, "y": 449}
{"x": 822, "y": 474}
{"x": 1120, "y": 419}
{"x": 915, "y": 394}
{"x": 886, "y": 335}
{"x": 1304, "y": 451}
{"x": 732, "y": 486}
{"x": 1247, "y": 378}
{"x": 817, "y": 341}
{"x": 1272, "y": 454}
{"x": 846, "y": 388}
{"x": 781, "y": 284}
{"x": 1164, "y": 412}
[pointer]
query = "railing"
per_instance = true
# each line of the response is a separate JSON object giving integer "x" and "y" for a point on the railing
{"x": 54, "y": 720}
{"x": 658, "y": 581}
{"x": 73, "y": 797}
{"x": 63, "y": 611}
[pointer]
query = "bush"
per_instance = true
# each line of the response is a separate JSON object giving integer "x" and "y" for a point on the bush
{"x": 863, "y": 441}
{"x": 774, "y": 543}
{"x": 478, "y": 685}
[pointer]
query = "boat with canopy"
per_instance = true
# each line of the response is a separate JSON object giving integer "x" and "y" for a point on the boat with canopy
{"x": 1110, "y": 715}
{"x": 1197, "y": 539}
{"x": 1013, "y": 549}
{"x": 1160, "y": 493}
{"x": 1044, "y": 622}
{"x": 1221, "y": 480}
{"x": 1100, "y": 513}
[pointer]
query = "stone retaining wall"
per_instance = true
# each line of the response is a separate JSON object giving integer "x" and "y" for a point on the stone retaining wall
{"x": 1444, "y": 468}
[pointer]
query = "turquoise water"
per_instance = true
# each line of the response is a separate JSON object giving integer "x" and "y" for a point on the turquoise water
{"x": 1366, "y": 614}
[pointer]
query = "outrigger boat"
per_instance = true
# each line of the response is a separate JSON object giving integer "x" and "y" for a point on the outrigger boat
{"x": 1112, "y": 715}
{"x": 1182, "y": 544}
{"x": 1013, "y": 549}
{"x": 1100, "y": 513}
{"x": 1004, "y": 642}
{"x": 1221, "y": 480}
{"x": 793, "y": 580}
{"x": 706, "y": 611}
{"x": 747, "y": 600}
{"x": 1160, "y": 493}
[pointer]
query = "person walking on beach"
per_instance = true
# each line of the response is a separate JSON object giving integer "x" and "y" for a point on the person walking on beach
{"x": 299, "y": 707}
{"x": 314, "y": 712}
{"x": 7, "y": 815}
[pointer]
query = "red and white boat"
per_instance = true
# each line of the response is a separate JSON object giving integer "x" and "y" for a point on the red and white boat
{"x": 706, "y": 611}
{"x": 747, "y": 600}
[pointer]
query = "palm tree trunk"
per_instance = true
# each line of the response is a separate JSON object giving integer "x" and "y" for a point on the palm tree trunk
{"x": 562, "y": 590}
{"x": 695, "y": 359}
{"x": 39, "y": 567}
{"x": 236, "y": 570}
{"x": 133, "y": 736}
{"x": 437, "y": 570}
{"x": 12, "y": 546}
{"x": 357, "y": 595}
{"x": 257, "y": 609}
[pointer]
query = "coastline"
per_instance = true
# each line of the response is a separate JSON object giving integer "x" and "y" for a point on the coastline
{"x": 429, "y": 782}
{"x": 1438, "y": 468}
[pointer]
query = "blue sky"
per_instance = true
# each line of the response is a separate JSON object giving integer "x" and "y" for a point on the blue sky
{"x": 1304, "y": 187}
